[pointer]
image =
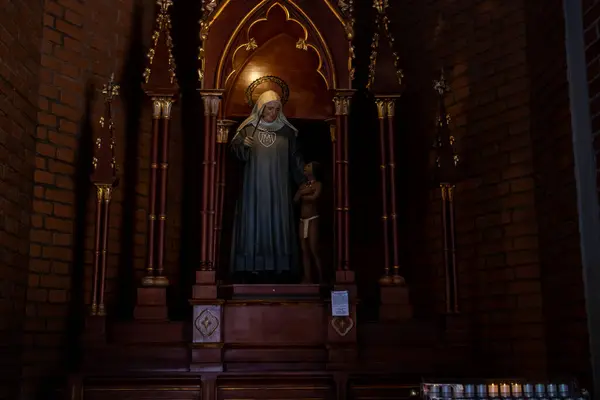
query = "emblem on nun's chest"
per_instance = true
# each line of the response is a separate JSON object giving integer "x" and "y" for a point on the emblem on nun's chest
{"x": 267, "y": 138}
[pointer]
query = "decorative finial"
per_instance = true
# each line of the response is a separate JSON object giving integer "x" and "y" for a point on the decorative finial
{"x": 111, "y": 89}
{"x": 164, "y": 4}
{"x": 441, "y": 86}
{"x": 380, "y": 5}
{"x": 209, "y": 6}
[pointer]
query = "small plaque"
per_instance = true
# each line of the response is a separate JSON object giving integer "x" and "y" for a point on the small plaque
{"x": 339, "y": 303}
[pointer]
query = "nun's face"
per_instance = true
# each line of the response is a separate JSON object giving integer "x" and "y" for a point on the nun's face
{"x": 271, "y": 111}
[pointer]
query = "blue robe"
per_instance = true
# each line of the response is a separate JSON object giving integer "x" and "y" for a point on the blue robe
{"x": 264, "y": 231}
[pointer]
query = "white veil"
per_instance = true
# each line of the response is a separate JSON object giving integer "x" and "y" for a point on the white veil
{"x": 267, "y": 97}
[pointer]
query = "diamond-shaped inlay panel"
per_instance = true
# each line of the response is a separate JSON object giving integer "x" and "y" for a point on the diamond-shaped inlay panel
{"x": 207, "y": 324}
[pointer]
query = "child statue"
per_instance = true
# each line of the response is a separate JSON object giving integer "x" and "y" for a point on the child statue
{"x": 308, "y": 195}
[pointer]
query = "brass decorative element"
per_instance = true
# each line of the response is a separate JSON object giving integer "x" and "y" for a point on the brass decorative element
{"x": 391, "y": 107}
{"x": 223, "y": 127}
{"x": 208, "y": 9}
{"x": 381, "y": 108}
{"x": 161, "y": 281}
{"x": 285, "y": 90}
{"x": 337, "y": 102}
{"x": 301, "y": 44}
{"x": 209, "y": 6}
{"x": 111, "y": 89}
{"x": 444, "y": 137}
{"x": 347, "y": 18}
{"x": 345, "y": 7}
{"x": 220, "y": 82}
{"x": 104, "y": 177}
{"x": 446, "y": 175}
{"x": 206, "y": 323}
{"x": 251, "y": 45}
{"x": 440, "y": 85}
{"x": 331, "y": 7}
{"x": 148, "y": 280}
{"x": 166, "y": 106}
{"x": 156, "y": 108}
{"x": 382, "y": 30}
{"x": 342, "y": 325}
{"x": 380, "y": 5}
{"x": 162, "y": 27}
{"x": 346, "y": 105}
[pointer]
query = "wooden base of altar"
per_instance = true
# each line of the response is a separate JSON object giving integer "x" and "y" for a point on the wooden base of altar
{"x": 151, "y": 304}
{"x": 271, "y": 328}
{"x": 317, "y": 386}
{"x": 395, "y": 304}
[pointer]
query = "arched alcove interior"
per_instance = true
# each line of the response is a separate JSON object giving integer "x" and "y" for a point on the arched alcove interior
{"x": 277, "y": 43}
{"x": 280, "y": 45}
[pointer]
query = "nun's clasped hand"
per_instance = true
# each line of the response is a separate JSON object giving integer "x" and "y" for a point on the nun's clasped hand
{"x": 248, "y": 141}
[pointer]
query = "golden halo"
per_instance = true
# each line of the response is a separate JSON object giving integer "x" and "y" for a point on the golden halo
{"x": 285, "y": 90}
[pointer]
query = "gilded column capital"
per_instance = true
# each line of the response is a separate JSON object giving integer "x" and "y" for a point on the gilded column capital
{"x": 212, "y": 101}
{"x": 391, "y": 107}
{"x": 342, "y": 100}
{"x": 381, "y": 105}
{"x": 156, "y": 107}
{"x": 223, "y": 129}
{"x": 332, "y": 128}
{"x": 166, "y": 106}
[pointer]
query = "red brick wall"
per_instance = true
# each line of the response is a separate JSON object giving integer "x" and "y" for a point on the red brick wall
{"x": 483, "y": 48}
{"x": 82, "y": 45}
{"x": 556, "y": 198}
{"x": 516, "y": 215}
{"x": 20, "y": 34}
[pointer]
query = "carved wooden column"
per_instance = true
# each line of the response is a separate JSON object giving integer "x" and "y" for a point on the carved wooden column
{"x": 342, "y": 101}
{"x": 207, "y": 315}
{"x": 148, "y": 280}
{"x": 166, "y": 106}
{"x": 104, "y": 177}
{"x": 160, "y": 85}
{"x": 341, "y": 331}
{"x": 446, "y": 175}
{"x": 395, "y": 303}
{"x": 381, "y": 115}
{"x": 338, "y": 193}
{"x": 223, "y": 129}
{"x": 390, "y": 104}
{"x": 212, "y": 101}
{"x": 334, "y": 160}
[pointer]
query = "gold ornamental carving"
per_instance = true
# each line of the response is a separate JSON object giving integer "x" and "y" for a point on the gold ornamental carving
{"x": 381, "y": 108}
{"x": 342, "y": 325}
{"x": 166, "y": 106}
{"x": 382, "y": 31}
{"x": 251, "y": 18}
{"x": 206, "y": 323}
{"x": 162, "y": 27}
{"x": 390, "y": 107}
{"x": 223, "y": 128}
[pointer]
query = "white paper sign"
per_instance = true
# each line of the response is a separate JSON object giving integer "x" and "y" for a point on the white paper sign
{"x": 339, "y": 303}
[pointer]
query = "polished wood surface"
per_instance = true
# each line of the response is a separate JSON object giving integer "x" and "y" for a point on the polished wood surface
{"x": 309, "y": 97}
{"x": 232, "y": 386}
{"x": 325, "y": 30}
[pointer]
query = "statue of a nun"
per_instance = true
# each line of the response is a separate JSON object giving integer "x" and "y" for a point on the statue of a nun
{"x": 264, "y": 234}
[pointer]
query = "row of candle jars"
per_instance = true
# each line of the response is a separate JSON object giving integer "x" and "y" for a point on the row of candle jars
{"x": 503, "y": 390}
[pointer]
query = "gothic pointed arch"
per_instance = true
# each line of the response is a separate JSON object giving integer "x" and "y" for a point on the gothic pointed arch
{"x": 232, "y": 31}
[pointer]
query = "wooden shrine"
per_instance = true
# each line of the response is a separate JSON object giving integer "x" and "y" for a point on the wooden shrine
{"x": 266, "y": 340}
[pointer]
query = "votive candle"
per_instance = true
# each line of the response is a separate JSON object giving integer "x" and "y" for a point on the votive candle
{"x": 493, "y": 390}
{"x": 516, "y": 390}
